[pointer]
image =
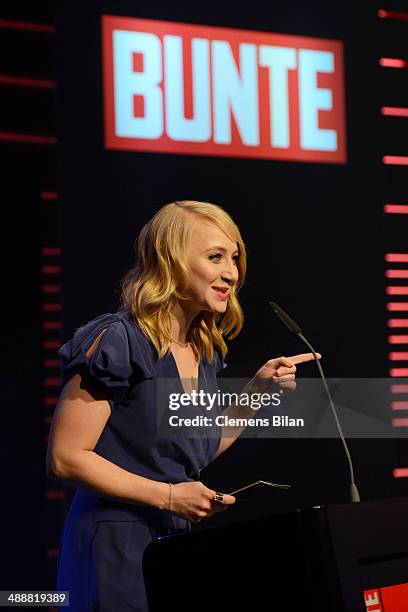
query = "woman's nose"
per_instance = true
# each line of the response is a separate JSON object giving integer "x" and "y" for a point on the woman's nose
{"x": 230, "y": 273}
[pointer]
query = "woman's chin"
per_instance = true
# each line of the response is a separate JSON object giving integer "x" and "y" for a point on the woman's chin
{"x": 220, "y": 307}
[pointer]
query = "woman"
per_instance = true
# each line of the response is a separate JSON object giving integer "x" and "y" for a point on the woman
{"x": 179, "y": 302}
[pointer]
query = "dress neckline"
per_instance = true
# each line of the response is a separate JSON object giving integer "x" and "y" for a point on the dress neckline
{"x": 175, "y": 367}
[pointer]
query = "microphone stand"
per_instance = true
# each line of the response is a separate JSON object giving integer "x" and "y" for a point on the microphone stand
{"x": 294, "y": 328}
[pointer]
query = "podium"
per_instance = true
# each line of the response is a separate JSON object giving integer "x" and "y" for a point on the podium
{"x": 321, "y": 558}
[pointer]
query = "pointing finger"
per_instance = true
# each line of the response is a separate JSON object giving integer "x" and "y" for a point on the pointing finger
{"x": 303, "y": 357}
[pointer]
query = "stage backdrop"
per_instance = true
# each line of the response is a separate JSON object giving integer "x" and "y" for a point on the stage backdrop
{"x": 270, "y": 110}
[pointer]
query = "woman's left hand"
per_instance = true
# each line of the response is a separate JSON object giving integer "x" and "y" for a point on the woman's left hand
{"x": 282, "y": 370}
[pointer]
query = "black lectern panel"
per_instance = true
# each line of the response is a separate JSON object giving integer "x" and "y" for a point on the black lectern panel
{"x": 320, "y": 558}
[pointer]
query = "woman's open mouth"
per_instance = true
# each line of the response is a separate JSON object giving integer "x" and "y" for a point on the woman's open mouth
{"x": 222, "y": 292}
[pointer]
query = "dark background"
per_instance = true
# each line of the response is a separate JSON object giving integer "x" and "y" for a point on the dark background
{"x": 316, "y": 237}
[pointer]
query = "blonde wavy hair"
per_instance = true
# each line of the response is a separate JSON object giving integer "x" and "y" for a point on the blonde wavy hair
{"x": 160, "y": 277}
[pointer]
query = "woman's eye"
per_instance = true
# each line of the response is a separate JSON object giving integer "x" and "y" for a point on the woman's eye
{"x": 218, "y": 256}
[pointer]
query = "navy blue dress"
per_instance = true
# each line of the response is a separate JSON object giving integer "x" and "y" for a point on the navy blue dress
{"x": 101, "y": 551}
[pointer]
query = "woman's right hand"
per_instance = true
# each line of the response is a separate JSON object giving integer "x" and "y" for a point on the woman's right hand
{"x": 193, "y": 501}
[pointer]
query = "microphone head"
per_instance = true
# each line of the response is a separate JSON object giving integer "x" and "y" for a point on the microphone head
{"x": 285, "y": 318}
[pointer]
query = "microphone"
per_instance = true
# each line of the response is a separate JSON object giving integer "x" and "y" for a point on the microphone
{"x": 295, "y": 329}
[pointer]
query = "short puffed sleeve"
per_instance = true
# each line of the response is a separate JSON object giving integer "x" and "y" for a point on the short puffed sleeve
{"x": 120, "y": 357}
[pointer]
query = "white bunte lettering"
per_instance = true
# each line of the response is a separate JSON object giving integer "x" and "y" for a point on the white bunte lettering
{"x": 248, "y": 95}
{"x": 313, "y": 99}
{"x": 145, "y": 83}
{"x": 235, "y": 93}
{"x": 279, "y": 60}
{"x": 198, "y": 128}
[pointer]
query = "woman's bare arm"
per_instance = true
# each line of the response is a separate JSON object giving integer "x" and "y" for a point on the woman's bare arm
{"x": 78, "y": 422}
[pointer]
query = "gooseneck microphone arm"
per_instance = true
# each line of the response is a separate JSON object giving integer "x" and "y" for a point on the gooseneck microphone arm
{"x": 295, "y": 329}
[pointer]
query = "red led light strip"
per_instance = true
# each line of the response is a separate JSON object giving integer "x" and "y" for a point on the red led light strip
{"x": 49, "y": 251}
{"x": 27, "y": 82}
{"x": 397, "y": 322}
{"x": 398, "y": 339}
{"x": 396, "y": 372}
{"x": 399, "y": 15}
{"x": 395, "y": 160}
{"x": 48, "y": 325}
{"x": 55, "y": 494}
{"x": 399, "y": 388}
{"x": 400, "y": 422}
{"x": 51, "y": 307}
{"x": 394, "y": 111}
{"x": 51, "y": 363}
{"x": 51, "y": 344}
{"x": 400, "y": 472}
{"x": 399, "y": 257}
{"x": 50, "y": 288}
{"x": 26, "y": 25}
{"x": 396, "y": 273}
{"x": 393, "y": 62}
{"x": 51, "y": 269}
{"x": 398, "y": 356}
{"x": 396, "y": 209}
{"x": 52, "y": 552}
{"x": 50, "y": 401}
{"x": 397, "y": 290}
{"x": 397, "y": 306}
{"x": 27, "y": 138}
{"x": 402, "y": 405}
{"x": 52, "y": 382}
{"x": 49, "y": 195}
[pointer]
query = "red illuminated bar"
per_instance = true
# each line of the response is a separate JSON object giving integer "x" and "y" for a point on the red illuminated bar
{"x": 397, "y": 322}
{"x": 403, "y": 405}
{"x": 400, "y": 472}
{"x": 396, "y": 372}
{"x": 398, "y": 339}
{"x": 51, "y": 363}
{"x": 399, "y": 15}
{"x": 52, "y": 382}
{"x": 395, "y": 160}
{"x": 51, "y": 325}
{"x": 396, "y": 209}
{"x": 400, "y": 422}
{"x": 398, "y": 356}
{"x": 28, "y": 138}
{"x": 51, "y": 344}
{"x": 397, "y": 290}
{"x": 52, "y": 552}
{"x": 49, "y": 195}
{"x": 397, "y": 306}
{"x": 51, "y": 269}
{"x": 51, "y": 307}
{"x": 396, "y": 273}
{"x": 50, "y": 251}
{"x": 26, "y": 25}
{"x": 396, "y": 257}
{"x": 50, "y": 288}
{"x": 393, "y": 62}
{"x": 27, "y": 82}
{"x": 55, "y": 494}
{"x": 50, "y": 401}
{"x": 399, "y": 388}
{"x": 394, "y": 111}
